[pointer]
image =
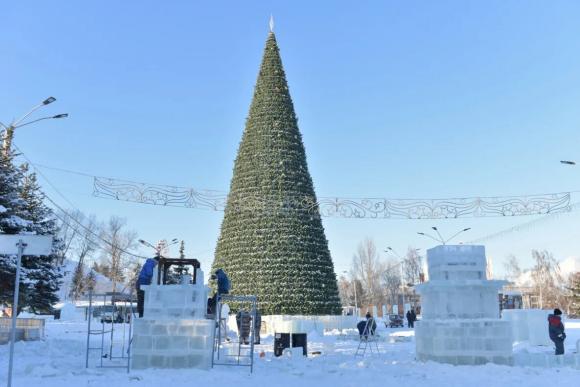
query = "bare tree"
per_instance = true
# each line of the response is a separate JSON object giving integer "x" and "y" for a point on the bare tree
{"x": 412, "y": 266}
{"x": 84, "y": 245}
{"x": 163, "y": 248}
{"x": 133, "y": 275}
{"x": 547, "y": 280}
{"x": 115, "y": 250}
{"x": 91, "y": 281}
{"x": 368, "y": 268}
{"x": 68, "y": 231}
{"x": 391, "y": 281}
{"x": 345, "y": 291}
{"x": 573, "y": 294}
{"x": 512, "y": 268}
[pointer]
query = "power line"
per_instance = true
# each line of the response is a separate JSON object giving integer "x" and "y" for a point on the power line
{"x": 94, "y": 176}
{"x": 43, "y": 176}
{"x": 87, "y": 230}
{"x": 523, "y": 226}
{"x": 520, "y": 227}
{"x": 62, "y": 169}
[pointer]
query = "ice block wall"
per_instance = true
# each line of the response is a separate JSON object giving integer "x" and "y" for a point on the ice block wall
{"x": 460, "y": 310}
{"x": 529, "y": 325}
{"x": 173, "y": 332}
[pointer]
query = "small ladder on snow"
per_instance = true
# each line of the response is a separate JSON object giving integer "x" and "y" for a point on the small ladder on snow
{"x": 242, "y": 355}
{"x": 368, "y": 340}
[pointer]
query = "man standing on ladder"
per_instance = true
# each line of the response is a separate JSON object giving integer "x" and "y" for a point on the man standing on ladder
{"x": 223, "y": 282}
{"x": 145, "y": 277}
{"x": 223, "y": 287}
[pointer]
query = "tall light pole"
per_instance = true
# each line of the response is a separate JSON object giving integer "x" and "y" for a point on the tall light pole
{"x": 158, "y": 247}
{"x": 354, "y": 288}
{"x": 9, "y": 135}
{"x": 440, "y": 239}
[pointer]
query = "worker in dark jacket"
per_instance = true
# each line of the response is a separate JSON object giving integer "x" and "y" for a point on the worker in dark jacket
{"x": 145, "y": 277}
{"x": 244, "y": 322}
{"x": 367, "y": 327}
{"x": 223, "y": 282}
{"x": 556, "y": 330}
{"x": 223, "y": 287}
{"x": 413, "y": 318}
{"x": 257, "y": 327}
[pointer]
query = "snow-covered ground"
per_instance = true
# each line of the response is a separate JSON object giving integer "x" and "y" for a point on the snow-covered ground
{"x": 59, "y": 360}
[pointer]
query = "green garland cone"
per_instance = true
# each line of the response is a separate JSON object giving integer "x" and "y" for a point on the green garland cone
{"x": 272, "y": 241}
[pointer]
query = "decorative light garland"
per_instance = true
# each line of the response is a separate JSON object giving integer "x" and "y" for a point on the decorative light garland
{"x": 373, "y": 208}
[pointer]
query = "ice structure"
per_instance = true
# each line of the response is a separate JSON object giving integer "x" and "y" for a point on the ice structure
{"x": 529, "y": 325}
{"x": 460, "y": 310}
{"x": 174, "y": 331}
{"x": 302, "y": 324}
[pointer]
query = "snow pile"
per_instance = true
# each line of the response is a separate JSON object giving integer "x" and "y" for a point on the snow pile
{"x": 102, "y": 284}
{"x": 567, "y": 266}
{"x": 59, "y": 361}
{"x": 69, "y": 312}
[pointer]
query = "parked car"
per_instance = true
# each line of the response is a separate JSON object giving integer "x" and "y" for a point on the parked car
{"x": 112, "y": 313}
{"x": 395, "y": 321}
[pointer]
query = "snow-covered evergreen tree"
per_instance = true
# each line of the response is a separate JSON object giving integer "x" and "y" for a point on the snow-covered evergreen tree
{"x": 11, "y": 222}
{"x": 272, "y": 241}
{"x": 177, "y": 271}
{"x": 181, "y": 269}
{"x": 43, "y": 272}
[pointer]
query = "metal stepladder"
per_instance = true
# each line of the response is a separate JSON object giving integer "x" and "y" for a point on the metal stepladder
{"x": 233, "y": 353}
{"x": 116, "y": 308}
{"x": 368, "y": 340}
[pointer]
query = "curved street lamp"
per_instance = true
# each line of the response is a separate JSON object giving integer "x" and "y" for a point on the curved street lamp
{"x": 9, "y": 135}
{"x": 442, "y": 240}
{"x": 158, "y": 247}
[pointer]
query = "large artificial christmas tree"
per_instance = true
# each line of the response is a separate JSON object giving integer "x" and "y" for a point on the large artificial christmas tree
{"x": 272, "y": 241}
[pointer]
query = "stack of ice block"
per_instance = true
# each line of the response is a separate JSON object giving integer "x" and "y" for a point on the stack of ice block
{"x": 272, "y": 324}
{"x": 460, "y": 311}
{"x": 173, "y": 332}
{"x": 529, "y": 325}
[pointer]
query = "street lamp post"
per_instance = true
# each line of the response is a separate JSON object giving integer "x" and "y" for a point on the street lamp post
{"x": 158, "y": 247}
{"x": 440, "y": 239}
{"x": 9, "y": 135}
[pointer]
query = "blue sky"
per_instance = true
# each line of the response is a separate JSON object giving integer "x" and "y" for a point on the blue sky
{"x": 394, "y": 99}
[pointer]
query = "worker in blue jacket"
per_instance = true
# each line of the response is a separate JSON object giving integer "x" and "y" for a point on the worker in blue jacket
{"x": 223, "y": 282}
{"x": 223, "y": 287}
{"x": 145, "y": 277}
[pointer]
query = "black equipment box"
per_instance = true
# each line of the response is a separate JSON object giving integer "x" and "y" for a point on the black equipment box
{"x": 282, "y": 341}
